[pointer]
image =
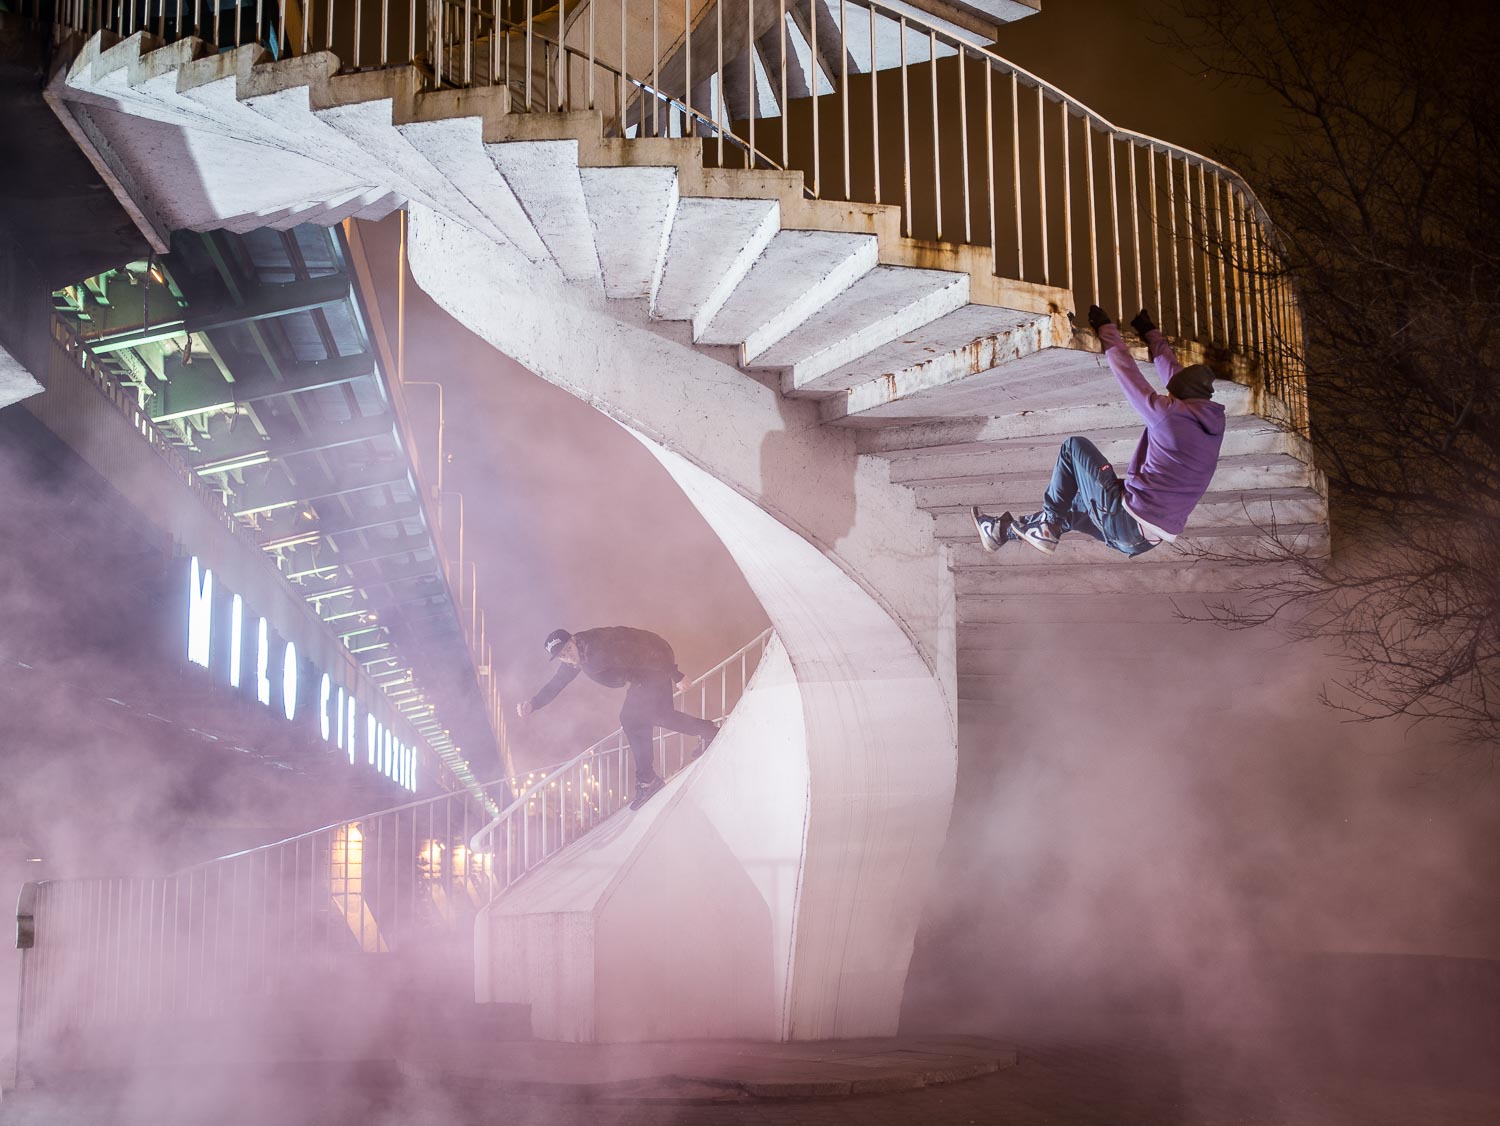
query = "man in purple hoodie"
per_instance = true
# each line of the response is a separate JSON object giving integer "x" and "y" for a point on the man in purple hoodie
{"x": 1168, "y": 474}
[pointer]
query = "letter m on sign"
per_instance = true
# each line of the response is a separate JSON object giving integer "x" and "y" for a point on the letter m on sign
{"x": 200, "y": 613}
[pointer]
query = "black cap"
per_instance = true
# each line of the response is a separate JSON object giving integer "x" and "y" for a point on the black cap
{"x": 1193, "y": 382}
{"x": 555, "y": 641}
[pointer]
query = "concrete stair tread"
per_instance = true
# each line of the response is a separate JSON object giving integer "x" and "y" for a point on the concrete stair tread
{"x": 545, "y": 179}
{"x": 799, "y": 272}
{"x": 713, "y": 245}
{"x": 1044, "y": 473}
{"x": 1128, "y": 431}
{"x": 963, "y": 338}
{"x": 631, "y": 212}
{"x": 884, "y": 304}
{"x": 1296, "y": 507}
{"x": 1089, "y": 414}
{"x": 1080, "y": 550}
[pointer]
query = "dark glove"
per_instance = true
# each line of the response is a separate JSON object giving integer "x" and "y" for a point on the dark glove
{"x": 1143, "y": 323}
{"x": 1098, "y": 318}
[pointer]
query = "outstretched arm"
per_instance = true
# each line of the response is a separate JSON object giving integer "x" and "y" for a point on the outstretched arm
{"x": 560, "y": 680}
{"x": 1156, "y": 346}
{"x": 1140, "y": 394}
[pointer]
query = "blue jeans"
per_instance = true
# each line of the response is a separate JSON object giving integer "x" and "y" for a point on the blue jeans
{"x": 1086, "y": 496}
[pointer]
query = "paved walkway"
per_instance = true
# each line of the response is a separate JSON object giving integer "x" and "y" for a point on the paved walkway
{"x": 709, "y": 1072}
{"x": 1090, "y": 1082}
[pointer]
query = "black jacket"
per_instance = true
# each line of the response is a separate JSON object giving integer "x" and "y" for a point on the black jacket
{"x": 613, "y": 656}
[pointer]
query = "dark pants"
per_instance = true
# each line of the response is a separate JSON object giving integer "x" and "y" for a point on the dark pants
{"x": 648, "y": 705}
{"x": 1087, "y": 496}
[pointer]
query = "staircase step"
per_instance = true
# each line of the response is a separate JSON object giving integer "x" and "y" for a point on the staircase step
{"x": 1120, "y": 577}
{"x": 1239, "y": 541}
{"x": 1026, "y": 455}
{"x": 941, "y": 354}
{"x": 714, "y": 244}
{"x": 885, "y": 304}
{"x": 1054, "y": 375}
{"x": 1084, "y": 417}
{"x": 352, "y": 206}
{"x": 1236, "y": 474}
{"x": 544, "y": 177}
{"x": 1265, "y": 508}
{"x": 631, "y": 212}
{"x": 799, "y": 273}
{"x": 455, "y": 147}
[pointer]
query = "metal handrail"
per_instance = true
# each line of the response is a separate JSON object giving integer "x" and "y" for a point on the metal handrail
{"x": 527, "y": 842}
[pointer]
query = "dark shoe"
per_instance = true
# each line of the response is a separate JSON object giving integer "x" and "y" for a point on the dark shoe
{"x": 993, "y": 530}
{"x": 705, "y": 741}
{"x": 645, "y": 791}
{"x": 1039, "y": 534}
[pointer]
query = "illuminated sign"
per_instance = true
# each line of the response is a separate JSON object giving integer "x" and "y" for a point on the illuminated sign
{"x": 279, "y": 672}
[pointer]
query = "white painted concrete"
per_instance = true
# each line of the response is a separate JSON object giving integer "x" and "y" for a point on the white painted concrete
{"x": 544, "y": 177}
{"x": 674, "y": 921}
{"x": 630, "y": 210}
{"x": 799, "y": 273}
{"x": 16, "y": 383}
{"x": 877, "y": 309}
{"x": 713, "y": 245}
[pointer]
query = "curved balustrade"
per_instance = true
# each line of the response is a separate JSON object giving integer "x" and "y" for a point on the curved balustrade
{"x": 564, "y": 804}
{"x": 873, "y": 103}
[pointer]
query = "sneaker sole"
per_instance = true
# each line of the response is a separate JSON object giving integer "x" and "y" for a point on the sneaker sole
{"x": 1043, "y": 546}
{"x": 986, "y": 541}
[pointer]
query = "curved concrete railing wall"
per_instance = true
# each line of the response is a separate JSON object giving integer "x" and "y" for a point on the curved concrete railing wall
{"x": 846, "y": 570}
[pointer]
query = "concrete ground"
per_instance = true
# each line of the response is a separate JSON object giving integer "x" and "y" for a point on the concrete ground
{"x": 1088, "y": 1081}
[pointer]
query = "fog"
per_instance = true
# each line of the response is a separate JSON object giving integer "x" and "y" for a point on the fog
{"x": 1158, "y": 829}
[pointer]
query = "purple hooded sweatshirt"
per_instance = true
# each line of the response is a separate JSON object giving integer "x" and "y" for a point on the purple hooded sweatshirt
{"x": 1172, "y": 466}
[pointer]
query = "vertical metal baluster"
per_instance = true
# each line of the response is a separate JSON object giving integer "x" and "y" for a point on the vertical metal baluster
{"x": 1155, "y": 228}
{"x": 937, "y": 164}
{"x": 656, "y": 106}
{"x": 1172, "y": 241}
{"x": 815, "y": 71}
{"x": 844, "y": 88}
{"x": 328, "y": 24}
{"x": 1114, "y": 223}
{"x": 1252, "y": 280}
{"x": 719, "y": 100}
{"x": 1192, "y": 250}
{"x": 1041, "y": 180}
{"x": 411, "y": 29}
{"x": 905, "y": 135}
{"x": 239, "y": 20}
{"x": 306, "y": 20}
{"x": 1088, "y": 141}
{"x": 1135, "y": 227}
{"x": 752, "y": 90}
{"x": 217, "y": 40}
{"x": 989, "y": 171}
{"x": 530, "y": 5}
{"x": 469, "y": 45}
{"x": 359, "y": 11}
{"x": 591, "y": 46}
{"x": 874, "y": 105}
{"x": 786, "y": 159}
{"x": 1015, "y": 163}
{"x": 963, "y": 135}
{"x": 1067, "y": 155}
{"x": 1242, "y": 276}
{"x": 1226, "y": 272}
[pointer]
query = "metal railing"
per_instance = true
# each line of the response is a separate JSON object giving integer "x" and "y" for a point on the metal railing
{"x": 561, "y": 805}
{"x": 871, "y": 102}
{"x": 108, "y": 953}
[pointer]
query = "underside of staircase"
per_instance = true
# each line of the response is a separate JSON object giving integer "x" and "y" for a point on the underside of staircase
{"x": 826, "y": 383}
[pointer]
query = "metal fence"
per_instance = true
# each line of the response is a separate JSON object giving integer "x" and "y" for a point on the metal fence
{"x": 871, "y": 101}
{"x": 559, "y": 806}
{"x": 118, "y": 952}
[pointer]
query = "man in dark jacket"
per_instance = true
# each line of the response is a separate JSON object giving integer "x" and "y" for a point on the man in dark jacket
{"x": 1168, "y": 475}
{"x": 643, "y": 664}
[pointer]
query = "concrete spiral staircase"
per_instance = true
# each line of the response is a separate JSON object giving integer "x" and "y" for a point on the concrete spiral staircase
{"x": 831, "y": 395}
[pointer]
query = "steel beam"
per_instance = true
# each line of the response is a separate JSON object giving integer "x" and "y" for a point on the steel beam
{"x": 195, "y": 389}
